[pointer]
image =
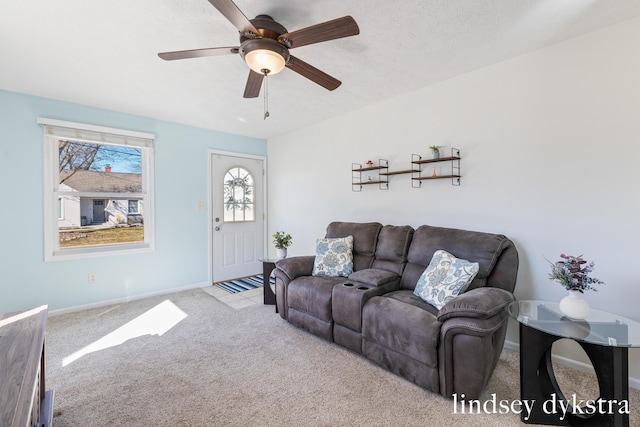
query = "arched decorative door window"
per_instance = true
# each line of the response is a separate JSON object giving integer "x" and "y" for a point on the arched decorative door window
{"x": 239, "y": 202}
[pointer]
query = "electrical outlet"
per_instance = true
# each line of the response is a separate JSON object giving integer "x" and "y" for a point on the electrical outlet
{"x": 93, "y": 277}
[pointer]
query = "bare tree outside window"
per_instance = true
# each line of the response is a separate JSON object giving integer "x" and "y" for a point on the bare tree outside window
{"x": 77, "y": 155}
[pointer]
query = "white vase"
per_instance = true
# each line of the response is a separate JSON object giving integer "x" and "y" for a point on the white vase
{"x": 574, "y": 306}
{"x": 281, "y": 253}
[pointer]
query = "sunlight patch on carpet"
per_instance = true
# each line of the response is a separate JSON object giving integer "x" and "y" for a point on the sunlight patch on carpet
{"x": 155, "y": 321}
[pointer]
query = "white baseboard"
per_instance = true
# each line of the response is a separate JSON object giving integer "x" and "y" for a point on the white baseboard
{"x": 574, "y": 364}
{"x": 127, "y": 299}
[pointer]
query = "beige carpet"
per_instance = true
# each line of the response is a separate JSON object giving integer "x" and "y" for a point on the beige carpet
{"x": 186, "y": 359}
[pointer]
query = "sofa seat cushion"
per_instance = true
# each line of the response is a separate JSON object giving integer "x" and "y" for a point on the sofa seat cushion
{"x": 312, "y": 295}
{"x": 402, "y": 322}
{"x": 374, "y": 277}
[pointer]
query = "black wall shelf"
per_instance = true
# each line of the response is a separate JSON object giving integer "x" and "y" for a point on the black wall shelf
{"x": 455, "y": 175}
{"x": 381, "y": 172}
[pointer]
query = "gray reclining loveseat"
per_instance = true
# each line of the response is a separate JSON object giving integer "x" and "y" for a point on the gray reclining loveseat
{"x": 374, "y": 311}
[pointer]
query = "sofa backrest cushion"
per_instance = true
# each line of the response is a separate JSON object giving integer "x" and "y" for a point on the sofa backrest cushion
{"x": 484, "y": 248}
{"x": 365, "y": 238}
{"x": 393, "y": 245}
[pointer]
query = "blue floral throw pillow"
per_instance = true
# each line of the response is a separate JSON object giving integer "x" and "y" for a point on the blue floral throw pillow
{"x": 445, "y": 278}
{"x": 334, "y": 257}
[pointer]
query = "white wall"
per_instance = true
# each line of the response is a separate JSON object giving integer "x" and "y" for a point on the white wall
{"x": 551, "y": 151}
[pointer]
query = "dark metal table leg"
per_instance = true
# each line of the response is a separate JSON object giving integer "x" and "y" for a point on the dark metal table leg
{"x": 538, "y": 383}
{"x": 535, "y": 383}
{"x": 269, "y": 297}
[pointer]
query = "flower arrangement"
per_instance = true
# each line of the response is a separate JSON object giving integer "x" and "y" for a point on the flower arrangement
{"x": 282, "y": 240}
{"x": 573, "y": 273}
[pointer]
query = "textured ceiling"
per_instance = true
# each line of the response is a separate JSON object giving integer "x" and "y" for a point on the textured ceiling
{"x": 104, "y": 53}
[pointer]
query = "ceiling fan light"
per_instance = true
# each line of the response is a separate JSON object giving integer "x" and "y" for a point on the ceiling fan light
{"x": 264, "y": 59}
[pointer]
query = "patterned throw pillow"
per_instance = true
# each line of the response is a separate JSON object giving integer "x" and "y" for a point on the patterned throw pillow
{"x": 445, "y": 278}
{"x": 334, "y": 257}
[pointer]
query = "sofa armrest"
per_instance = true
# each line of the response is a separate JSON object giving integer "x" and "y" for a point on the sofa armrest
{"x": 286, "y": 270}
{"x": 295, "y": 266}
{"x": 474, "y": 326}
{"x": 468, "y": 353}
{"x": 374, "y": 277}
{"x": 479, "y": 303}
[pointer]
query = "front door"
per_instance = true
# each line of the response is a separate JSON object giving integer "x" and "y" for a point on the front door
{"x": 98, "y": 211}
{"x": 238, "y": 216}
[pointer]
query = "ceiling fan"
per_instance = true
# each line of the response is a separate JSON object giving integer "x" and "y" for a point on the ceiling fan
{"x": 265, "y": 45}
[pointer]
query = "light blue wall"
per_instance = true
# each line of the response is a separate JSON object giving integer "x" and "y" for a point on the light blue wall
{"x": 181, "y": 175}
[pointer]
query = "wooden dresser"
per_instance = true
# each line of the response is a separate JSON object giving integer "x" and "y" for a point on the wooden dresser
{"x": 23, "y": 399}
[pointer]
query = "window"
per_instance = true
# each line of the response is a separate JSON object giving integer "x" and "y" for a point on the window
{"x": 99, "y": 190}
{"x": 133, "y": 206}
{"x": 238, "y": 195}
{"x": 60, "y": 208}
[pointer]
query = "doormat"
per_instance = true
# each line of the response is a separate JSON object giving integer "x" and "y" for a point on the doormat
{"x": 244, "y": 284}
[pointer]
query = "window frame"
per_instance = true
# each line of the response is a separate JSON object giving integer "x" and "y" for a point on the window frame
{"x": 53, "y": 132}
{"x": 243, "y": 203}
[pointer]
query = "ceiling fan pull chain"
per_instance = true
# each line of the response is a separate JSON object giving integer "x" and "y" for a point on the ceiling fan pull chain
{"x": 266, "y": 93}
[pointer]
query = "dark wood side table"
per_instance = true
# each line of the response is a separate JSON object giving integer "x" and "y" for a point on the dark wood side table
{"x": 268, "y": 265}
{"x": 604, "y": 337}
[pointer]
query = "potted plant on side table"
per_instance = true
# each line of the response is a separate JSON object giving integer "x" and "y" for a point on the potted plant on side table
{"x": 572, "y": 272}
{"x": 282, "y": 241}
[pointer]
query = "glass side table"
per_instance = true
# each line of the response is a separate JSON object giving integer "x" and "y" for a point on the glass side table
{"x": 268, "y": 265}
{"x": 604, "y": 337}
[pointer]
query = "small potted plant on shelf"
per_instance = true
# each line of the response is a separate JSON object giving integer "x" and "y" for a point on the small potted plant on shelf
{"x": 369, "y": 164}
{"x": 572, "y": 272}
{"x": 435, "y": 150}
{"x": 282, "y": 241}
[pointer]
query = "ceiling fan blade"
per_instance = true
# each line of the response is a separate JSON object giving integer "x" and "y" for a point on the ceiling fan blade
{"x": 230, "y": 11}
{"x": 254, "y": 82}
{"x": 197, "y": 53}
{"x": 312, "y": 73}
{"x": 330, "y": 30}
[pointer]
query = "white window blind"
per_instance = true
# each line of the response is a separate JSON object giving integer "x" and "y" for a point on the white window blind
{"x": 95, "y": 134}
